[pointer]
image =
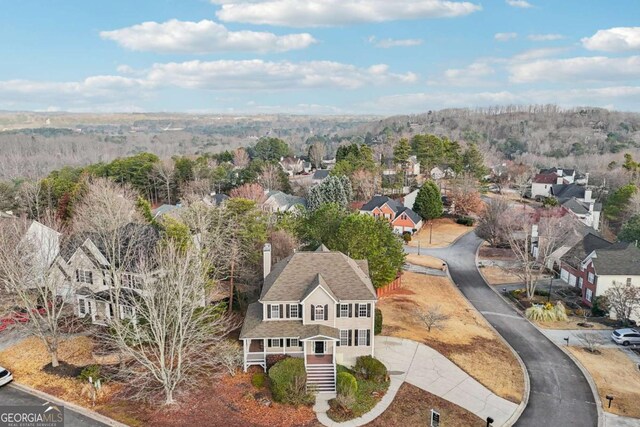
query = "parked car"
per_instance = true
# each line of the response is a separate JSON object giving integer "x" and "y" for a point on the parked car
{"x": 5, "y": 376}
{"x": 626, "y": 336}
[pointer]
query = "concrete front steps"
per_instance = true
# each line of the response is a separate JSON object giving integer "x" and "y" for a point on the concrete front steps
{"x": 321, "y": 378}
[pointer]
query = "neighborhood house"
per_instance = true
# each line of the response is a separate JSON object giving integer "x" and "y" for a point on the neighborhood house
{"x": 316, "y": 305}
{"x": 402, "y": 218}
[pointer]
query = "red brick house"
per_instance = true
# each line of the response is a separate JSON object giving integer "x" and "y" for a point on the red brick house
{"x": 401, "y": 217}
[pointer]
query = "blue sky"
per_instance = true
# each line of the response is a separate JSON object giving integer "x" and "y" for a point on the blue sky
{"x": 317, "y": 56}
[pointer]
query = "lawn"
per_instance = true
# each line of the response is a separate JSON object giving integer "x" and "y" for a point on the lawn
{"x": 412, "y": 407}
{"x": 466, "y": 338}
{"x": 445, "y": 232}
{"x": 424, "y": 261}
{"x": 368, "y": 395}
{"x": 495, "y": 275}
{"x": 614, "y": 374}
{"x": 572, "y": 324}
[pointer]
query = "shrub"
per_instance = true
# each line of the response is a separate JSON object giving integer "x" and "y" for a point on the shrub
{"x": 560, "y": 312}
{"x": 599, "y": 306}
{"x": 272, "y": 359}
{"x": 370, "y": 368}
{"x": 546, "y": 312}
{"x": 258, "y": 379}
{"x": 406, "y": 236}
{"x": 346, "y": 384}
{"x": 91, "y": 371}
{"x": 465, "y": 220}
{"x": 289, "y": 382}
{"x": 377, "y": 329}
{"x": 541, "y": 293}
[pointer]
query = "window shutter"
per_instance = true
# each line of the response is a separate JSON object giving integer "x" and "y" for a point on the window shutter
{"x": 368, "y": 336}
{"x": 356, "y": 309}
{"x": 288, "y": 342}
{"x": 368, "y": 309}
{"x": 356, "y": 338}
{"x": 337, "y": 310}
{"x": 300, "y": 311}
{"x": 349, "y": 341}
{"x": 338, "y": 342}
{"x": 313, "y": 312}
{"x": 326, "y": 312}
{"x": 288, "y": 312}
{"x": 281, "y": 314}
{"x": 281, "y": 342}
{"x": 268, "y": 343}
{"x": 350, "y": 311}
{"x": 268, "y": 311}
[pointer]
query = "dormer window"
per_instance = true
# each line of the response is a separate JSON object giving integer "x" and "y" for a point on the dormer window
{"x": 84, "y": 276}
{"x": 319, "y": 311}
{"x": 275, "y": 311}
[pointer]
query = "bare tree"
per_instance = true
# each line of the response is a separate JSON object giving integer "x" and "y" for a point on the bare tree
{"x": 30, "y": 198}
{"x": 317, "y": 152}
{"x": 253, "y": 192}
{"x": 623, "y": 299}
{"x": 270, "y": 176}
{"x": 240, "y": 158}
{"x": 283, "y": 244}
{"x": 230, "y": 356}
{"x": 491, "y": 224}
{"x": 464, "y": 196}
{"x": 363, "y": 184}
{"x": 591, "y": 341}
{"x": 533, "y": 252}
{"x": 173, "y": 340}
{"x": 26, "y": 256}
{"x": 431, "y": 317}
{"x": 164, "y": 174}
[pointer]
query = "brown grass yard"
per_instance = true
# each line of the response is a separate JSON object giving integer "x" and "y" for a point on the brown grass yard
{"x": 466, "y": 339}
{"x": 445, "y": 232}
{"x": 572, "y": 324}
{"x": 614, "y": 374}
{"x": 495, "y": 275}
{"x": 412, "y": 407}
{"x": 424, "y": 261}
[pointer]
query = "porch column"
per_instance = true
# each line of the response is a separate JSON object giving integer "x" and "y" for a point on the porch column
{"x": 244, "y": 354}
{"x": 304, "y": 352}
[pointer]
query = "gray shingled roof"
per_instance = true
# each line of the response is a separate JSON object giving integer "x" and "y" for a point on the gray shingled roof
{"x": 378, "y": 201}
{"x": 411, "y": 214}
{"x": 584, "y": 247}
{"x": 617, "y": 261}
{"x": 575, "y": 206}
{"x": 254, "y": 327}
{"x": 284, "y": 200}
{"x": 566, "y": 191}
{"x": 290, "y": 279}
{"x": 319, "y": 281}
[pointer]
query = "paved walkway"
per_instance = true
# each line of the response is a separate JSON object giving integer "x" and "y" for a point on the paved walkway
{"x": 429, "y": 370}
{"x": 613, "y": 420}
{"x": 602, "y": 337}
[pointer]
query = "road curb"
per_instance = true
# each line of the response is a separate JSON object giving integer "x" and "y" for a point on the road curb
{"x": 587, "y": 375}
{"x": 76, "y": 408}
{"x": 527, "y": 381}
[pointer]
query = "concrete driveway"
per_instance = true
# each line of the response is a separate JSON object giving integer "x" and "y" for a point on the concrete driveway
{"x": 560, "y": 394}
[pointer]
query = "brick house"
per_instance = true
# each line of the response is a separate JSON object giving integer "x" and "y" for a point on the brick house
{"x": 402, "y": 218}
{"x": 319, "y": 306}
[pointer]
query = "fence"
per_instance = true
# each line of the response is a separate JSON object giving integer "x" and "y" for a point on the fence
{"x": 390, "y": 287}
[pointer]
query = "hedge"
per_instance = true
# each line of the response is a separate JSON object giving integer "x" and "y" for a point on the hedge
{"x": 370, "y": 368}
{"x": 377, "y": 330}
{"x": 346, "y": 384}
{"x": 289, "y": 382}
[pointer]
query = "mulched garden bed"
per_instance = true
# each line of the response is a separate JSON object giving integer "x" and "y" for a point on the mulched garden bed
{"x": 64, "y": 369}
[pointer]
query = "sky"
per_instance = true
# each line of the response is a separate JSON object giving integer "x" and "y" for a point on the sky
{"x": 317, "y": 56}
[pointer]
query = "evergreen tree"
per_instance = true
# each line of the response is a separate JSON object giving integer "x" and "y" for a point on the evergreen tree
{"x": 401, "y": 152}
{"x": 473, "y": 161}
{"x": 428, "y": 202}
{"x": 334, "y": 189}
{"x": 630, "y": 230}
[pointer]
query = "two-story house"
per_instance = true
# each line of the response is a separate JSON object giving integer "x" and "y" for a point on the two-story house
{"x": 402, "y": 218}
{"x": 103, "y": 281}
{"x": 316, "y": 305}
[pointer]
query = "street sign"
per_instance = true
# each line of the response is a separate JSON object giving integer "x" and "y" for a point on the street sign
{"x": 435, "y": 419}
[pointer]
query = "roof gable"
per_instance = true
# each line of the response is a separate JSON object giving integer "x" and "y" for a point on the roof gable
{"x": 319, "y": 283}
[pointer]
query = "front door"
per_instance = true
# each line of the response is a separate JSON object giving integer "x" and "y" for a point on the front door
{"x": 319, "y": 347}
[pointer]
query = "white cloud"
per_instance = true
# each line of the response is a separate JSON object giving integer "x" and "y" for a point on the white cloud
{"x": 389, "y": 43}
{"x": 545, "y": 37}
{"x": 470, "y": 75}
{"x": 618, "y": 39}
{"x": 202, "y": 37}
{"x": 545, "y": 52}
{"x": 322, "y": 13}
{"x": 519, "y": 3}
{"x": 580, "y": 69}
{"x": 503, "y": 37}
{"x": 266, "y": 75}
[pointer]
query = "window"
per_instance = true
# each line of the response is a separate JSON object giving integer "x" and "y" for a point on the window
{"x": 362, "y": 337}
{"x": 84, "y": 276}
{"x": 81, "y": 306}
{"x": 127, "y": 311}
{"x": 293, "y": 342}
{"x": 344, "y": 337}
{"x": 591, "y": 277}
{"x": 362, "y": 310}
{"x": 319, "y": 312}
{"x": 131, "y": 281}
{"x": 628, "y": 281}
{"x": 293, "y": 310}
{"x": 275, "y": 311}
{"x": 344, "y": 310}
{"x": 580, "y": 282}
{"x": 274, "y": 343}
{"x": 588, "y": 295}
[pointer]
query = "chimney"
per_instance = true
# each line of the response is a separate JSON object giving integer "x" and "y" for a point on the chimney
{"x": 559, "y": 180}
{"x": 266, "y": 259}
{"x": 587, "y": 195}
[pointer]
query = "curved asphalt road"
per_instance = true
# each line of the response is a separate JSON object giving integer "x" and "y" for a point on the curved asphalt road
{"x": 560, "y": 395}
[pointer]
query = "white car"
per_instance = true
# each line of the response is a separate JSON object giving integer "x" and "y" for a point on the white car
{"x": 626, "y": 336}
{"x": 5, "y": 376}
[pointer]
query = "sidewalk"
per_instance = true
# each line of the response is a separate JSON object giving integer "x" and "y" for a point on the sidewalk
{"x": 577, "y": 337}
{"x": 429, "y": 370}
